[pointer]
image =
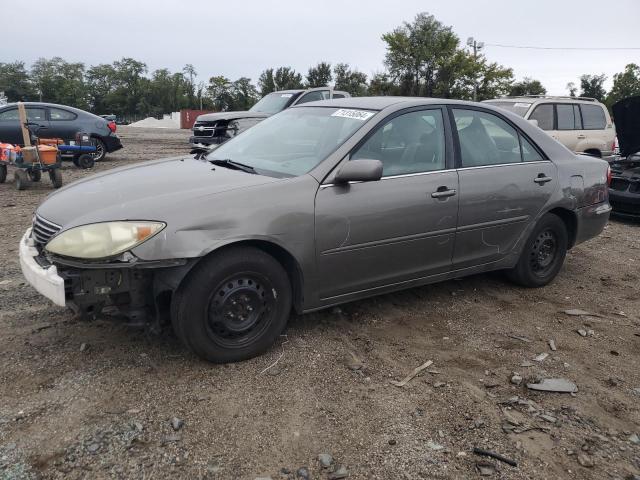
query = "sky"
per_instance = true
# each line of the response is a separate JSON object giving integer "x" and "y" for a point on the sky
{"x": 235, "y": 39}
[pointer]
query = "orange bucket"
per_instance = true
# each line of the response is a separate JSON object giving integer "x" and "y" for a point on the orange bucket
{"x": 48, "y": 154}
{"x": 50, "y": 141}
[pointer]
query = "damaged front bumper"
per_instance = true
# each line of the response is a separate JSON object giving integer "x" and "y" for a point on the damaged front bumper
{"x": 129, "y": 286}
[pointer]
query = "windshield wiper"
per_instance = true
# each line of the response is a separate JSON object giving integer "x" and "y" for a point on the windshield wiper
{"x": 227, "y": 162}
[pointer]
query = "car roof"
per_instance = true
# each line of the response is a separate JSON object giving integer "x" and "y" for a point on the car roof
{"x": 45, "y": 104}
{"x": 380, "y": 103}
{"x": 545, "y": 99}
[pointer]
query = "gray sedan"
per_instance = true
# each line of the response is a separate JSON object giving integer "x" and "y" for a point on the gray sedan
{"x": 318, "y": 205}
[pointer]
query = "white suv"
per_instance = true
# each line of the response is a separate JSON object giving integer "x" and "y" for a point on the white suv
{"x": 581, "y": 124}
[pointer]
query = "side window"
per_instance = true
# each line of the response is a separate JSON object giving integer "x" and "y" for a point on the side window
{"x": 59, "y": 114}
{"x": 485, "y": 139}
{"x": 529, "y": 153}
{"x": 35, "y": 114}
{"x": 409, "y": 143}
{"x": 338, "y": 95}
{"x": 544, "y": 115}
{"x": 593, "y": 117}
{"x": 566, "y": 116}
{"x": 9, "y": 115}
{"x": 312, "y": 97}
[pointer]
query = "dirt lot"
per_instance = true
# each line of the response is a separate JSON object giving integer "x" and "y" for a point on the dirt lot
{"x": 96, "y": 400}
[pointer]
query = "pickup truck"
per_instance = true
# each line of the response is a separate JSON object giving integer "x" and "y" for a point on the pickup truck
{"x": 216, "y": 128}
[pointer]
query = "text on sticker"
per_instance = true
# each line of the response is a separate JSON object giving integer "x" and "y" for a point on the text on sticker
{"x": 355, "y": 114}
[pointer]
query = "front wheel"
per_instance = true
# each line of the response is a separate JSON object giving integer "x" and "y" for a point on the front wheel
{"x": 543, "y": 254}
{"x": 233, "y": 305}
{"x": 35, "y": 175}
{"x": 55, "y": 176}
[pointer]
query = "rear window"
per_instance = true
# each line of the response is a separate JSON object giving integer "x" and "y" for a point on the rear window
{"x": 59, "y": 114}
{"x": 519, "y": 108}
{"x": 593, "y": 117}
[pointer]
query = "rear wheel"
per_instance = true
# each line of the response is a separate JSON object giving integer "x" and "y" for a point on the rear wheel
{"x": 3, "y": 173}
{"x": 55, "y": 176}
{"x": 35, "y": 175}
{"x": 21, "y": 179}
{"x": 101, "y": 150}
{"x": 233, "y": 305}
{"x": 543, "y": 254}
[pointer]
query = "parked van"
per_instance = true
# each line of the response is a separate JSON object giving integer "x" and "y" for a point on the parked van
{"x": 581, "y": 124}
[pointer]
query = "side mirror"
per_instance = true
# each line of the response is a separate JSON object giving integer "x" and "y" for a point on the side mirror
{"x": 533, "y": 122}
{"x": 359, "y": 171}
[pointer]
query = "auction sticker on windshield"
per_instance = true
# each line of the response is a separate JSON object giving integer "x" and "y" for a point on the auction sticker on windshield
{"x": 355, "y": 114}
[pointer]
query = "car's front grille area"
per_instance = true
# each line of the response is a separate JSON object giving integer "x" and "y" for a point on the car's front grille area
{"x": 207, "y": 129}
{"x": 43, "y": 230}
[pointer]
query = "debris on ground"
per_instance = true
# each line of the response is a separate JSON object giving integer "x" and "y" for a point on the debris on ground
{"x": 552, "y": 345}
{"x": 339, "y": 473}
{"x": 409, "y": 377}
{"x": 497, "y": 456}
{"x": 431, "y": 445}
{"x": 559, "y": 385}
{"x": 177, "y": 423}
{"x": 325, "y": 460}
{"x": 521, "y": 338}
{"x": 574, "y": 312}
{"x": 541, "y": 357}
{"x": 84, "y": 347}
{"x": 586, "y": 460}
{"x": 516, "y": 379}
{"x": 354, "y": 362}
{"x": 485, "y": 469}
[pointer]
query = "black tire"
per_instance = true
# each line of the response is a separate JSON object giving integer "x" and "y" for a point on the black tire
{"x": 233, "y": 305}
{"x": 55, "y": 176}
{"x": 3, "y": 173}
{"x": 21, "y": 179}
{"x": 101, "y": 150}
{"x": 85, "y": 161}
{"x": 35, "y": 175}
{"x": 543, "y": 254}
{"x": 76, "y": 161}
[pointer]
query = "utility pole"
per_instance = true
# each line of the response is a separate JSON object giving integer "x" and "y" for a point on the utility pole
{"x": 476, "y": 46}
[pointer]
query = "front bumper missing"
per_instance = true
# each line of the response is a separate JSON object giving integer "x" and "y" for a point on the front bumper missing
{"x": 44, "y": 279}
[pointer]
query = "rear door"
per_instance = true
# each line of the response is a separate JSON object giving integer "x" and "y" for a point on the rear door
{"x": 62, "y": 123}
{"x": 569, "y": 125}
{"x": 402, "y": 227}
{"x": 504, "y": 183}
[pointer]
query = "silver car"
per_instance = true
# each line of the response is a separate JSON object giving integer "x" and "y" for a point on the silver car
{"x": 319, "y": 205}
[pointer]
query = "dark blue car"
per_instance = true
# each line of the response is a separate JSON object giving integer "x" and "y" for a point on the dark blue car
{"x": 60, "y": 121}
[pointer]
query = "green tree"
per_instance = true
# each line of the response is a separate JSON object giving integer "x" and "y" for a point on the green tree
{"x": 245, "y": 94}
{"x": 286, "y": 78}
{"x": 527, "y": 86}
{"x": 593, "y": 86}
{"x": 127, "y": 97}
{"x": 101, "y": 82}
{"x": 58, "y": 81}
{"x": 382, "y": 84}
{"x": 572, "y": 89}
{"x": 417, "y": 52}
{"x": 625, "y": 84}
{"x": 266, "y": 82}
{"x": 220, "y": 91}
{"x": 320, "y": 75}
{"x": 14, "y": 81}
{"x": 190, "y": 75}
{"x": 349, "y": 80}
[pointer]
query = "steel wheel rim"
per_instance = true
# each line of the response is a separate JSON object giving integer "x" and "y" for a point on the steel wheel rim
{"x": 99, "y": 150}
{"x": 240, "y": 309}
{"x": 544, "y": 253}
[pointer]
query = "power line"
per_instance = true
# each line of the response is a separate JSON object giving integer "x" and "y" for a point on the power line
{"x": 530, "y": 47}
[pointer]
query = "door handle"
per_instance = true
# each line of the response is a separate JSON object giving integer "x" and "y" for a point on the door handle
{"x": 582, "y": 137}
{"x": 541, "y": 179}
{"x": 443, "y": 192}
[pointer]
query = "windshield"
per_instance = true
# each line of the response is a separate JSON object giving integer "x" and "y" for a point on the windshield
{"x": 273, "y": 103}
{"x": 519, "y": 108}
{"x": 293, "y": 142}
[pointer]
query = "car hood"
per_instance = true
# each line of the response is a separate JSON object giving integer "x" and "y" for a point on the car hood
{"x": 214, "y": 117}
{"x": 144, "y": 191}
{"x": 626, "y": 115}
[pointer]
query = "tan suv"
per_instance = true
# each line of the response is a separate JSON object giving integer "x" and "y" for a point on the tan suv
{"x": 581, "y": 124}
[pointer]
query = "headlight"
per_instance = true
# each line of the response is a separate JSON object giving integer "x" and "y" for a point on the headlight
{"x": 101, "y": 240}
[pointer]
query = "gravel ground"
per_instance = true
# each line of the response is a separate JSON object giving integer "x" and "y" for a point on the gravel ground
{"x": 97, "y": 400}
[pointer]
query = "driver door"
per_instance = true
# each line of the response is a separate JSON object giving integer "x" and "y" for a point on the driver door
{"x": 373, "y": 234}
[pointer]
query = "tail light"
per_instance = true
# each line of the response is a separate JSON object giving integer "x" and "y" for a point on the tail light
{"x": 609, "y": 176}
{"x": 112, "y": 126}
